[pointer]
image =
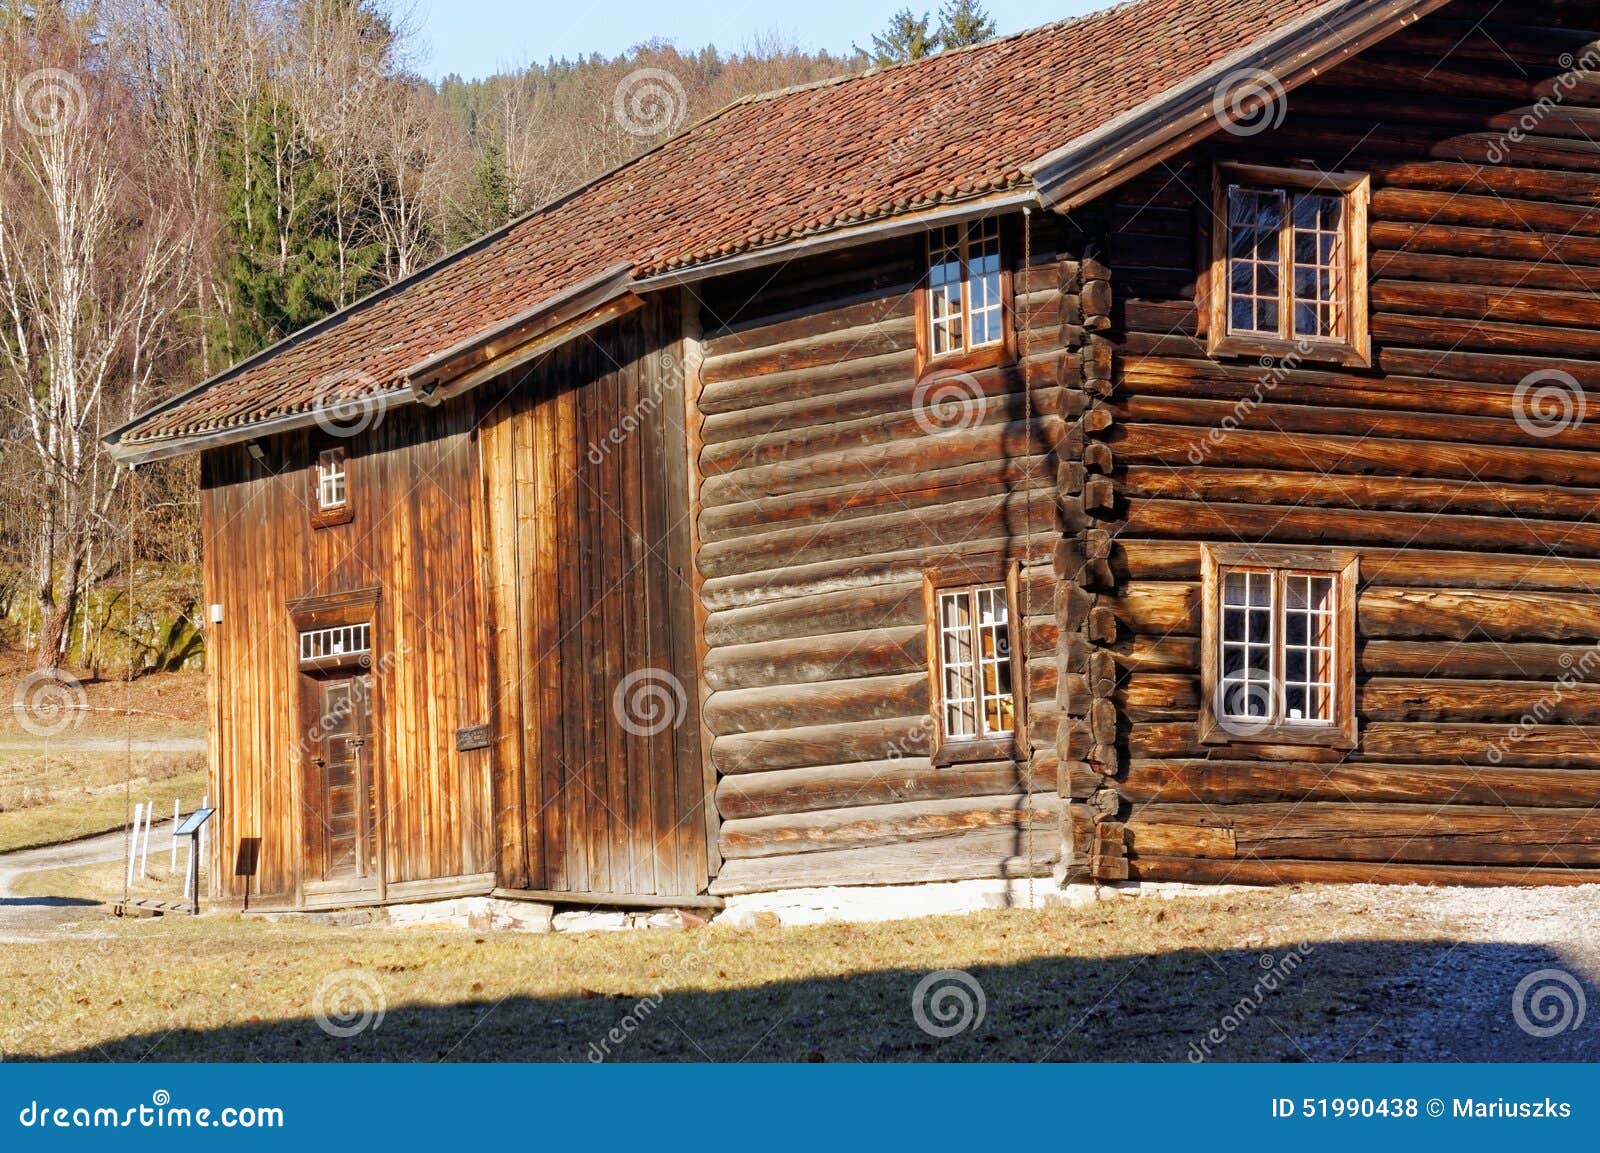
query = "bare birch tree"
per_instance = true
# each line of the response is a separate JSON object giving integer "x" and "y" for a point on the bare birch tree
{"x": 92, "y": 271}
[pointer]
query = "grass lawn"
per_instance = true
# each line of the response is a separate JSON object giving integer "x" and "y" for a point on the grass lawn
{"x": 70, "y": 813}
{"x": 81, "y": 780}
{"x": 1117, "y": 980}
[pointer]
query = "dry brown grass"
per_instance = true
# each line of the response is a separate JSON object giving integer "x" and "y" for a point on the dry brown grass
{"x": 84, "y": 779}
{"x": 1121, "y": 980}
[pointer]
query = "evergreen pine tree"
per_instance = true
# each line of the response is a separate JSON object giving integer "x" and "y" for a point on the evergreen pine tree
{"x": 963, "y": 22}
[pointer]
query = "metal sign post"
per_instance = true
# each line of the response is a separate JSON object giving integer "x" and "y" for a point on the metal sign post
{"x": 191, "y": 828}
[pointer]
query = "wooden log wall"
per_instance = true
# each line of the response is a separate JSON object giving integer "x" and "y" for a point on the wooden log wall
{"x": 414, "y": 535}
{"x": 825, "y": 495}
{"x": 586, "y": 491}
{"x": 1480, "y": 562}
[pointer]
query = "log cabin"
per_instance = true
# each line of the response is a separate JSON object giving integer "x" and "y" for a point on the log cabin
{"x": 1151, "y": 447}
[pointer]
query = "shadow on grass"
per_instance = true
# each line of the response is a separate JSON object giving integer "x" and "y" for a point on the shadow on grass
{"x": 48, "y": 903}
{"x": 1330, "y": 1001}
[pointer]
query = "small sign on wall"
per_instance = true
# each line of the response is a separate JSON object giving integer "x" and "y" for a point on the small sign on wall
{"x": 473, "y": 737}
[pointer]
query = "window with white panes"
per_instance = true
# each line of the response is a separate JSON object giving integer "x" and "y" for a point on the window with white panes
{"x": 965, "y": 289}
{"x": 1278, "y": 647}
{"x": 332, "y": 485}
{"x": 1290, "y": 264}
{"x": 975, "y": 663}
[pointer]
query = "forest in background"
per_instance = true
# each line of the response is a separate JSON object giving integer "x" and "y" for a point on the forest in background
{"x": 185, "y": 182}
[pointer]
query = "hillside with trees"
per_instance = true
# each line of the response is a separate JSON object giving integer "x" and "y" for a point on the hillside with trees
{"x": 185, "y": 183}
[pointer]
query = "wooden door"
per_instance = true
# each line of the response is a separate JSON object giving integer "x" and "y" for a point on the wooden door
{"x": 344, "y": 802}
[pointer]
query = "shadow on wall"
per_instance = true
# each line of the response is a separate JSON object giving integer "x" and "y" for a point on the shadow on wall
{"x": 1331, "y": 1001}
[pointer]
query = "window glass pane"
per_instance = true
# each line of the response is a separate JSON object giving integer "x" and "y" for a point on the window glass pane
{"x": 1247, "y": 639}
{"x": 1319, "y": 265}
{"x": 994, "y": 645}
{"x": 983, "y": 281}
{"x": 945, "y": 313}
{"x": 1254, "y": 222}
{"x": 960, "y": 670}
{"x": 1308, "y": 654}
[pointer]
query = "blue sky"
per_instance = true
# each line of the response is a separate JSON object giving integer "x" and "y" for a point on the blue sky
{"x": 479, "y": 37}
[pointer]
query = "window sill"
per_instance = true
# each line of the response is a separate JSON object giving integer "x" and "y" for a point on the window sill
{"x": 330, "y": 517}
{"x": 1335, "y": 736}
{"x": 967, "y": 752}
{"x": 1309, "y": 351}
{"x": 989, "y": 356}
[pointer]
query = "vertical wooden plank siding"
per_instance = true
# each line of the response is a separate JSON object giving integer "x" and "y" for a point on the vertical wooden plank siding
{"x": 413, "y": 474}
{"x": 584, "y": 527}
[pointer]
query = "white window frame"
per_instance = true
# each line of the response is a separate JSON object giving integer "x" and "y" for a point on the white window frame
{"x": 333, "y": 480}
{"x": 952, "y": 300}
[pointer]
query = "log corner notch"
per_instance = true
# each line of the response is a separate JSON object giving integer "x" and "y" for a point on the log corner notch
{"x": 1093, "y": 834}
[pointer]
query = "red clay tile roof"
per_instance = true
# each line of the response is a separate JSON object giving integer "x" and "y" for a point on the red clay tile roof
{"x": 763, "y": 171}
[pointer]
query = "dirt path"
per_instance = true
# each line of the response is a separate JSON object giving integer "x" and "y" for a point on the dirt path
{"x": 33, "y": 918}
{"x": 60, "y": 746}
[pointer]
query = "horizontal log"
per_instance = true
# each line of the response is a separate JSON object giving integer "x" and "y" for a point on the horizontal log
{"x": 1239, "y": 872}
{"x": 1467, "y": 834}
{"x": 1326, "y": 490}
{"x": 865, "y": 653}
{"x": 1217, "y": 782}
{"x": 874, "y": 494}
{"x": 1012, "y": 514}
{"x": 841, "y": 313}
{"x": 865, "y": 826}
{"x": 915, "y": 453}
{"x": 1151, "y": 560}
{"x": 1328, "y": 420}
{"x": 823, "y": 745}
{"x": 1293, "y": 525}
{"x": 848, "y": 375}
{"x": 880, "y": 605}
{"x": 977, "y": 853}
{"x": 821, "y": 703}
{"x": 889, "y": 566}
{"x": 893, "y": 334}
{"x": 877, "y": 783}
{"x": 1539, "y": 746}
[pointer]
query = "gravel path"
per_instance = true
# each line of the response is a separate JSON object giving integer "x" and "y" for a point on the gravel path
{"x": 1484, "y": 975}
{"x": 24, "y": 918}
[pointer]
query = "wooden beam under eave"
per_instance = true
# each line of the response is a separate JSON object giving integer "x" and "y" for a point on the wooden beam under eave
{"x": 511, "y": 352}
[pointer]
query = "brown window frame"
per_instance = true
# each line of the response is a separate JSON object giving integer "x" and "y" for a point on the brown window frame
{"x": 1343, "y": 567}
{"x": 326, "y": 516}
{"x": 966, "y": 359}
{"x": 1013, "y": 745}
{"x": 1351, "y": 348}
